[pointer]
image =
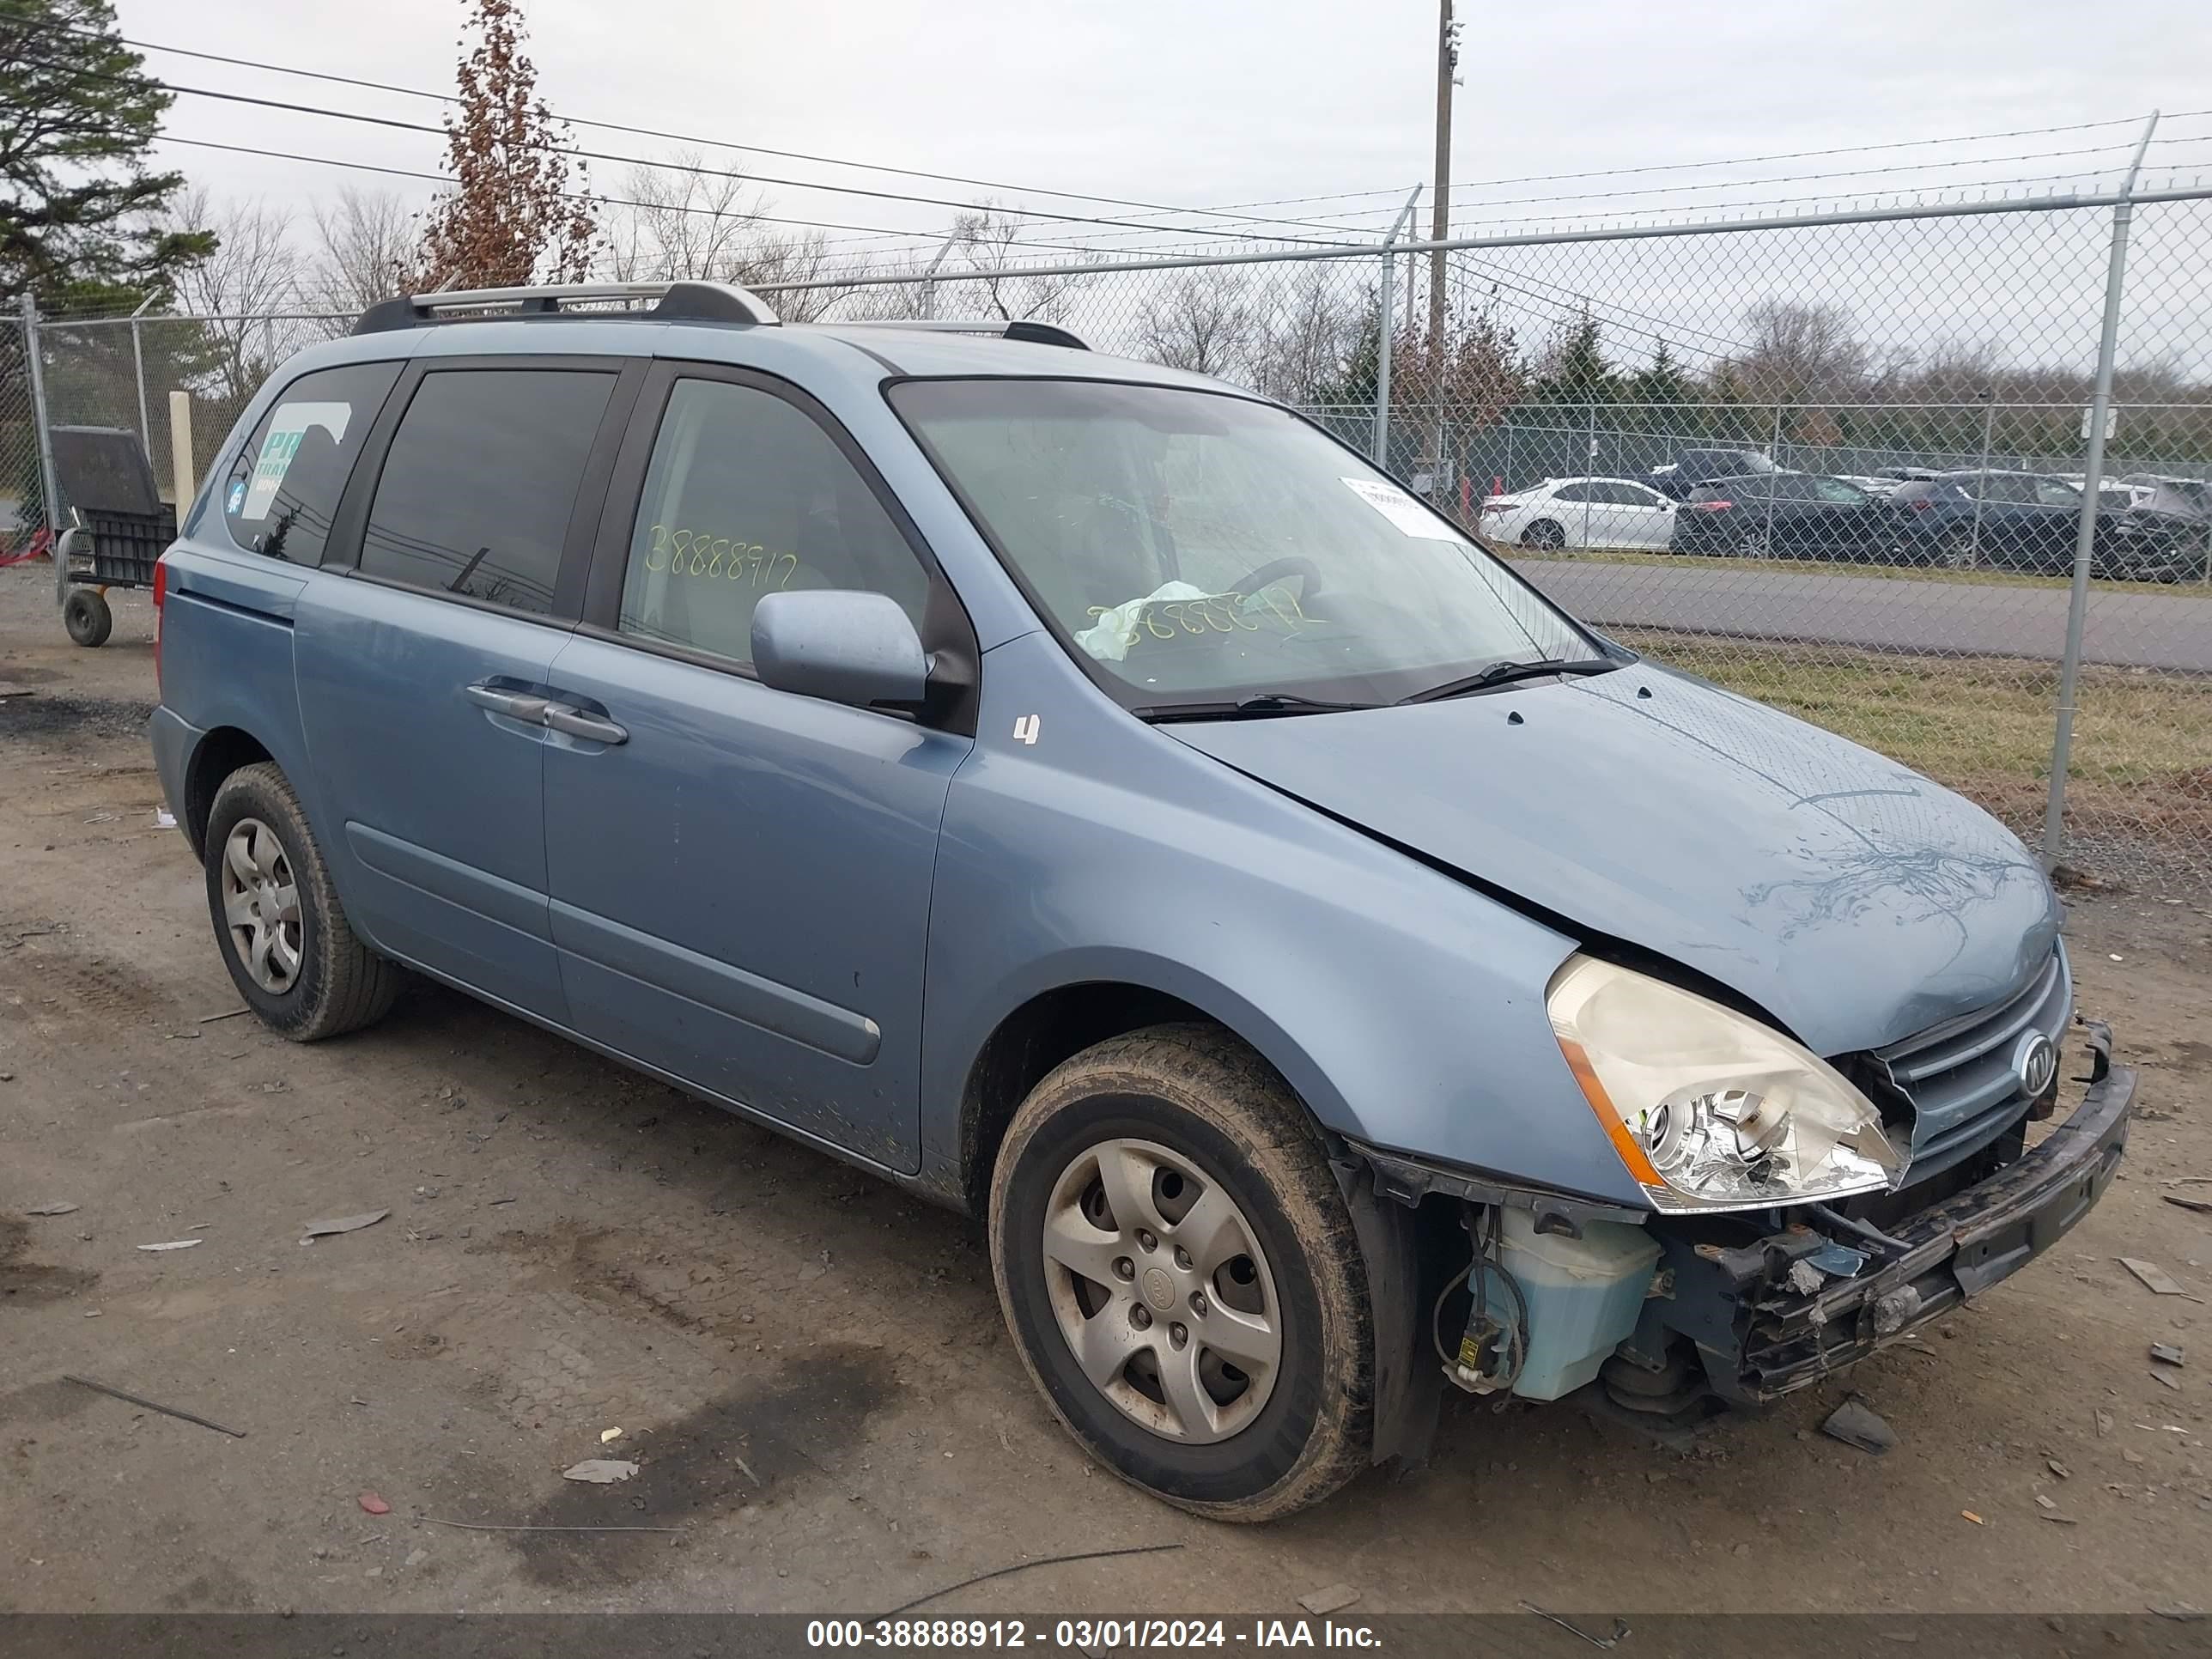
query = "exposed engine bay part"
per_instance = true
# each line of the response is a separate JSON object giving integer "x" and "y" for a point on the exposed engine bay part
{"x": 1545, "y": 1310}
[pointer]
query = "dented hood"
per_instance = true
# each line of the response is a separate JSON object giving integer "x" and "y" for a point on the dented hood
{"x": 1853, "y": 899}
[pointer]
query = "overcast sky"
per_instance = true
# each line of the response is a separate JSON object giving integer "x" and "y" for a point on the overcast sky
{"x": 1202, "y": 102}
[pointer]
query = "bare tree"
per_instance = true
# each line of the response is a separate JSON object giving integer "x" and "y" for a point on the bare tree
{"x": 984, "y": 242}
{"x": 251, "y": 275}
{"x": 1803, "y": 353}
{"x": 703, "y": 225}
{"x": 1312, "y": 331}
{"x": 1205, "y": 322}
{"x": 364, "y": 241}
{"x": 688, "y": 225}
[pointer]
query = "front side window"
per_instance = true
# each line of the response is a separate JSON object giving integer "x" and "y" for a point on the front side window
{"x": 1195, "y": 548}
{"x": 745, "y": 496}
{"x": 480, "y": 481}
{"x": 2055, "y": 492}
{"x": 1835, "y": 489}
{"x": 285, "y": 485}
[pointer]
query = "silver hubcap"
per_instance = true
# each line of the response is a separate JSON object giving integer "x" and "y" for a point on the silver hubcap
{"x": 261, "y": 905}
{"x": 1162, "y": 1292}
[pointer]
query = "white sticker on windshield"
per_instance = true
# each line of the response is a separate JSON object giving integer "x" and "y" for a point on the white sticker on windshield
{"x": 1402, "y": 510}
{"x": 290, "y": 424}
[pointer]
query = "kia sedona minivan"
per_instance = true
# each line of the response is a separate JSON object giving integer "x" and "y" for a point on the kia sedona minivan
{"x": 1090, "y": 795}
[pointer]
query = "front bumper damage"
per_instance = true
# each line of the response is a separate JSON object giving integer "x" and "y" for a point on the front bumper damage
{"x": 1772, "y": 1315}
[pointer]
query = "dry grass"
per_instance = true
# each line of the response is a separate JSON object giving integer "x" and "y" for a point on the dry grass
{"x": 2142, "y": 765}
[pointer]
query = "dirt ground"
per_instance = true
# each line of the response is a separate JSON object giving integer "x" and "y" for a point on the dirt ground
{"x": 809, "y": 1366}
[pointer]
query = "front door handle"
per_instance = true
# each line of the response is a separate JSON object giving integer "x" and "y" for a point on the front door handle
{"x": 577, "y": 724}
{"x": 515, "y": 705}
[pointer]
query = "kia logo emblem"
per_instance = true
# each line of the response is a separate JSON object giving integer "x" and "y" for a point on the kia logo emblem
{"x": 2035, "y": 1063}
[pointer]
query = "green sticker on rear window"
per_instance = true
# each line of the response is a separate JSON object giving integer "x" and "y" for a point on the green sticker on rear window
{"x": 286, "y": 427}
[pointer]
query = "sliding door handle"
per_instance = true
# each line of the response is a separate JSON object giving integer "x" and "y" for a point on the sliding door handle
{"x": 515, "y": 705}
{"x": 595, "y": 728}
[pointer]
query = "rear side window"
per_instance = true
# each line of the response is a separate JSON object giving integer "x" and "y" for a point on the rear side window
{"x": 285, "y": 484}
{"x": 478, "y": 485}
{"x": 1574, "y": 492}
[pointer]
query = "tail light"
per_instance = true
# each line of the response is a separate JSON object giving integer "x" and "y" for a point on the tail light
{"x": 1921, "y": 504}
{"x": 160, "y": 593}
{"x": 1711, "y": 506}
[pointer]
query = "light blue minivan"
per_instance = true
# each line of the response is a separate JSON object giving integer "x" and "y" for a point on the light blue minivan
{"x": 1090, "y": 795}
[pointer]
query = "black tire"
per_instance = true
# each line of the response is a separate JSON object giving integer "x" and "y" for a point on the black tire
{"x": 87, "y": 618}
{"x": 1544, "y": 535}
{"x": 340, "y": 985}
{"x": 1205, "y": 1097}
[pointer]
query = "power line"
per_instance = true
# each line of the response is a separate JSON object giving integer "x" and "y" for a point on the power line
{"x": 577, "y": 196}
{"x": 672, "y": 138}
{"x": 581, "y": 154}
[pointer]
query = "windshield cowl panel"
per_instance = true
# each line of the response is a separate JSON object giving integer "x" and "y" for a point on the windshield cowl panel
{"x": 1192, "y": 548}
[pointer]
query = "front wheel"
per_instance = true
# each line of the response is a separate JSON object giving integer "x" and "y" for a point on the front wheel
{"x": 1179, "y": 1271}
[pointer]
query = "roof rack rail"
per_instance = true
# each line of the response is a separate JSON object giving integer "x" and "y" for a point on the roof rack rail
{"x": 1016, "y": 328}
{"x": 676, "y": 301}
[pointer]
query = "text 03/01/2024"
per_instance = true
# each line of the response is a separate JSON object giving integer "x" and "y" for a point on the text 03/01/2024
{"x": 1086, "y": 1634}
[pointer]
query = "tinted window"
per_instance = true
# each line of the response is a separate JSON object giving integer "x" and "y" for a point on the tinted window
{"x": 746, "y": 496}
{"x": 480, "y": 480}
{"x": 2000, "y": 487}
{"x": 284, "y": 484}
{"x": 1574, "y": 492}
{"x": 1835, "y": 489}
{"x": 2055, "y": 492}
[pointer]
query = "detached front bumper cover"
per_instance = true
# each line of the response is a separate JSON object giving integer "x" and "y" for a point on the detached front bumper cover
{"x": 1760, "y": 1337}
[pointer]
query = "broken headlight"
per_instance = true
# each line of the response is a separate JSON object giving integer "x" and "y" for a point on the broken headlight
{"x": 1711, "y": 1109}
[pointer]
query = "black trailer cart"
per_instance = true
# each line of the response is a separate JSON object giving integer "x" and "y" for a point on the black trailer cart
{"x": 117, "y": 529}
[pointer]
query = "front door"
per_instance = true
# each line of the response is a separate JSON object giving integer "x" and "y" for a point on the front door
{"x": 419, "y": 672}
{"x": 741, "y": 877}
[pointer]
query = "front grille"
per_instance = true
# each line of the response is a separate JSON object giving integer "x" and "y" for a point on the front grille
{"x": 1959, "y": 1075}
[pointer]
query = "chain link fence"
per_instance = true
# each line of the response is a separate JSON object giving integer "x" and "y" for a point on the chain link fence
{"x": 1864, "y": 466}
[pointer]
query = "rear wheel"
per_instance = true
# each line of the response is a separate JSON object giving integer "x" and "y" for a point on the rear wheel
{"x": 1958, "y": 550}
{"x": 1752, "y": 544}
{"x": 87, "y": 618}
{"x": 1179, "y": 1271}
{"x": 283, "y": 935}
{"x": 1544, "y": 535}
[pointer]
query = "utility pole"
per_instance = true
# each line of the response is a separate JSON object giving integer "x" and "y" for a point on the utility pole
{"x": 1439, "y": 230}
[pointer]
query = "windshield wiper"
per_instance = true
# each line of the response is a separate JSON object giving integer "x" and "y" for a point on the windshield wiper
{"x": 1253, "y": 702}
{"x": 1505, "y": 673}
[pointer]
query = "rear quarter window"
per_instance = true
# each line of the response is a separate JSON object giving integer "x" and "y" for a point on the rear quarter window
{"x": 285, "y": 481}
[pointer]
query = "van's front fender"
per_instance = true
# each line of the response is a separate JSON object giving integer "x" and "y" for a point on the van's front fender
{"x": 1405, "y": 1009}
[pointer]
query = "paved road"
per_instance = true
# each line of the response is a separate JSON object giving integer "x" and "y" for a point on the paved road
{"x": 2157, "y": 628}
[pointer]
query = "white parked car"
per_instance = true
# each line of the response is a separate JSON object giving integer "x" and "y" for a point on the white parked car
{"x": 1581, "y": 513}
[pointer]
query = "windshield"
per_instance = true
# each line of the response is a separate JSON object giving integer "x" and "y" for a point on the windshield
{"x": 1192, "y": 548}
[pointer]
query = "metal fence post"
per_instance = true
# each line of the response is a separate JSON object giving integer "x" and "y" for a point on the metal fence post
{"x": 2085, "y": 535}
{"x": 138, "y": 369}
{"x": 1981, "y": 483}
{"x": 1589, "y": 465}
{"x": 928, "y": 305}
{"x": 1773, "y": 454}
{"x": 48, "y": 503}
{"x": 1389, "y": 328}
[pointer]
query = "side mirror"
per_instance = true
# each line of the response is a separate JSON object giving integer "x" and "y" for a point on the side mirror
{"x": 857, "y": 648}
